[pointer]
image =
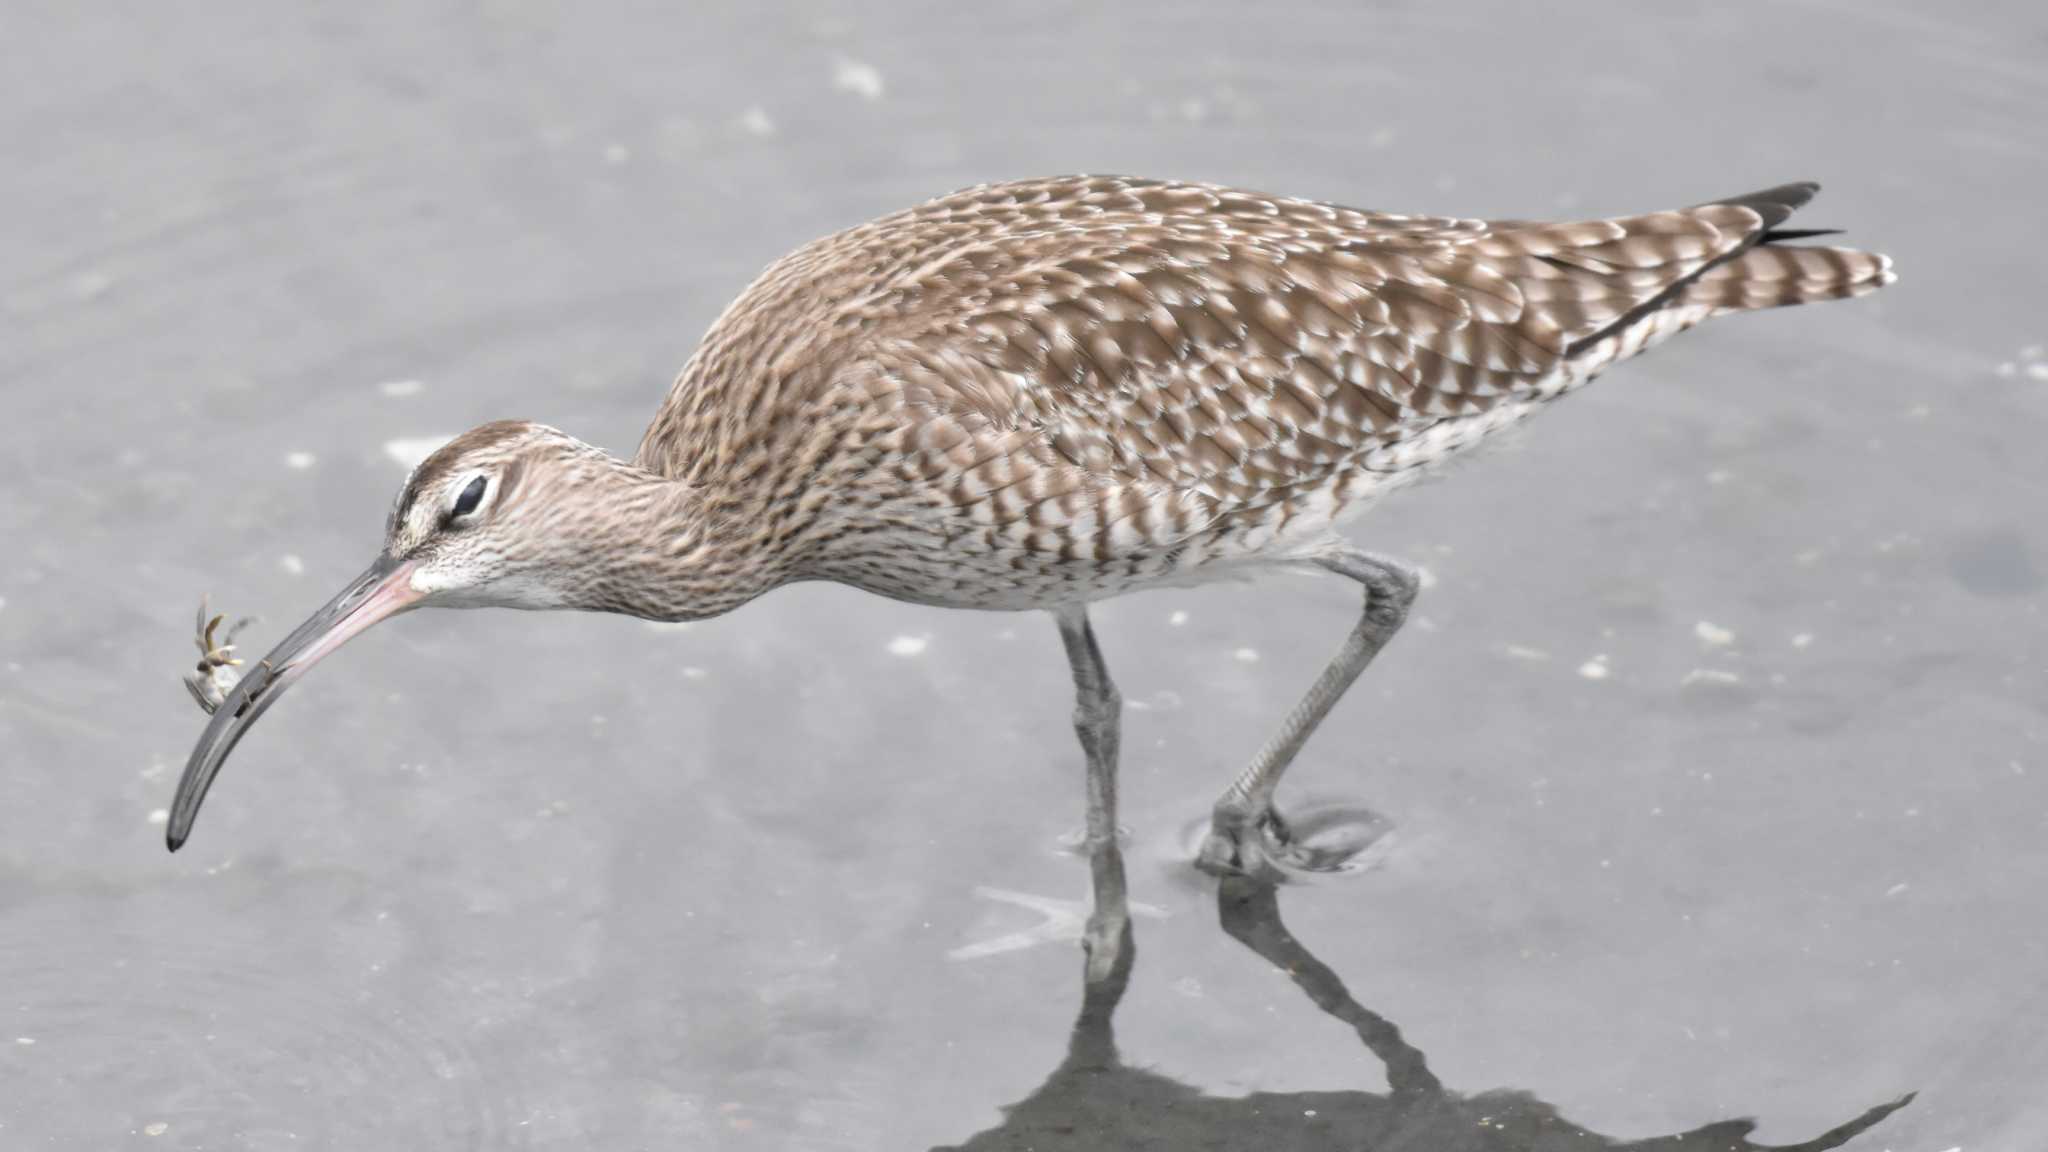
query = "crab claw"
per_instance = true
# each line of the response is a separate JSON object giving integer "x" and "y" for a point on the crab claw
{"x": 215, "y": 653}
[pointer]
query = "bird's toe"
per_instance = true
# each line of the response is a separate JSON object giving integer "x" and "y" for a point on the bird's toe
{"x": 1242, "y": 848}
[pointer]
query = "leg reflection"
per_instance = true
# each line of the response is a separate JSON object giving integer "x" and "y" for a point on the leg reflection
{"x": 1250, "y": 912}
{"x": 1094, "y": 1102}
{"x": 1423, "y": 1113}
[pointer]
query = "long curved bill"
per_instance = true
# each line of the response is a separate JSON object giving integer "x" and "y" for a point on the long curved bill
{"x": 384, "y": 590}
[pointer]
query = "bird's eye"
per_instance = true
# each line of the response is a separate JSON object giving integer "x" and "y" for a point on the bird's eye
{"x": 472, "y": 495}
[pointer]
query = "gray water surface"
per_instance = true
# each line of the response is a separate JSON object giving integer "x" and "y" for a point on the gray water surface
{"x": 1714, "y": 752}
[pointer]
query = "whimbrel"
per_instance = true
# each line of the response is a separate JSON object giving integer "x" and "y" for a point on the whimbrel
{"x": 1040, "y": 394}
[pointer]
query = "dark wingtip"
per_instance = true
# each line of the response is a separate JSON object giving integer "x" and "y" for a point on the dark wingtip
{"x": 1781, "y": 235}
{"x": 1777, "y": 204}
{"x": 173, "y": 841}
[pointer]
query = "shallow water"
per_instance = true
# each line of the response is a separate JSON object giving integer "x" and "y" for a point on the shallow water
{"x": 1714, "y": 754}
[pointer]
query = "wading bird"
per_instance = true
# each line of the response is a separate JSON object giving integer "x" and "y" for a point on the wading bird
{"x": 1045, "y": 393}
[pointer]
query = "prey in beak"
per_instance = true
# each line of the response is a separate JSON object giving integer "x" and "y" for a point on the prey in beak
{"x": 510, "y": 514}
{"x": 385, "y": 589}
{"x": 218, "y": 668}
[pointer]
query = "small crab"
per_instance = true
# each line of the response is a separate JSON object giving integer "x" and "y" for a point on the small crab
{"x": 218, "y": 669}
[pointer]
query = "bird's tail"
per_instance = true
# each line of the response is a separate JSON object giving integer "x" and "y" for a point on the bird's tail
{"x": 1774, "y": 274}
{"x": 1774, "y": 270}
{"x": 1674, "y": 269}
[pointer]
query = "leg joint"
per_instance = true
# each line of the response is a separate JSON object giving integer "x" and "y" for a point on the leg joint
{"x": 1387, "y": 598}
{"x": 1390, "y": 585}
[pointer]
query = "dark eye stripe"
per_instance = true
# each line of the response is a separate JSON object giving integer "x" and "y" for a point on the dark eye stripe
{"x": 472, "y": 496}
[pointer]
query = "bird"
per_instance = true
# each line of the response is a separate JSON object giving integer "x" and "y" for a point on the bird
{"x": 1041, "y": 394}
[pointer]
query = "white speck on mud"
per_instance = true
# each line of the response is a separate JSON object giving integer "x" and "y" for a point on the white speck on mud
{"x": 1179, "y": 617}
{"x": 291, "y": 564}
{"x": 299, "y": 460}
{"x": 410, "y": 450}
{"x": 25, "y": 1041}
{"x": 1522, "y": 652}
{"x": 2007, "y": 369}
{"x": 1713, "y": 676}
{"x": 2037, "y": 371}
{"x": 156, "y": 1129}
{"x": 1712, "y": 635}
{"x": 1895, "y": 889}
{"x": 755, "y": 121}
{"x": 396, "y": 388}
{"x": 863, "y": 80}
{"x": 1424, "y": 578}
{"x": 694, "y": 673}
{"x": 1164, "y": 700}
{"x": 1595, "y": 669}
{"x": 159, "y": 816}
{"x": 667, "y": 625}
{"x": 616, "y": 154}
{"x": 1246, "y": 655}
{"x": 909, "y": 645}
{"x": 1802, "y": 639}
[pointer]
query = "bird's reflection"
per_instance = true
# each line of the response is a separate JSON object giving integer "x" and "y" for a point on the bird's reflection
{"x": 1093, "y": 1101}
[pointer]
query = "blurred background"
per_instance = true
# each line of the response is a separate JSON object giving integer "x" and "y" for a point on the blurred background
{"x": 1714, "y": 753}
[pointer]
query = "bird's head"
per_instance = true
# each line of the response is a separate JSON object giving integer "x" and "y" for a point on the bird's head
{"x": 482, "y": 522}
{"x": 475, "y": 525}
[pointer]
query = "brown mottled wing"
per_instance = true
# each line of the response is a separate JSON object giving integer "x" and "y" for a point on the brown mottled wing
{"x": 1236, "y": 344}
{"x": 1160, "y": 357}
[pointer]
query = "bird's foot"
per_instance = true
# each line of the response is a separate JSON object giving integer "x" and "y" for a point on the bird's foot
{"x": 1246, "y": 844}
{"x": 218, "y": 670}
{"x": 1265, "y": 847}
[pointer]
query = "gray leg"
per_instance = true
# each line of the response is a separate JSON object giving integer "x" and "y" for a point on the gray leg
{"x": 1098, "y": 712}
{"x": 1244, "y": 817}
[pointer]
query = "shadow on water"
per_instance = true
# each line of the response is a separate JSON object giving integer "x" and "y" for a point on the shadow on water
{"x": 1094, "y": 1101}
